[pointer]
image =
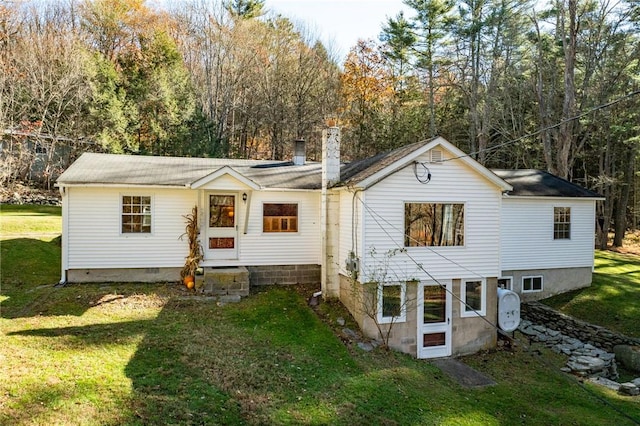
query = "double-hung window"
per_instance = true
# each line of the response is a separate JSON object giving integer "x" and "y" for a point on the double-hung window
{"x": 561, "y": 223}
{"x": 473, "y": 299}
{"x": 433, "y": 224}
{"x": 136, "y": 214}
{"x": 391, "y": 302}
{"x": 279, "y": 217}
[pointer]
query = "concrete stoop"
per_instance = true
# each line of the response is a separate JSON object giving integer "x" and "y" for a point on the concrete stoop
{"x": 223, "y": 281}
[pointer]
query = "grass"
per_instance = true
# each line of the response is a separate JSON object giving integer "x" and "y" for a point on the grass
{"x": 613, "y": 299}
{"x": 139, "y": 354}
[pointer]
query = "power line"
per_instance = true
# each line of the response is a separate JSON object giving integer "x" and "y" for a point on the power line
{"x": 544, "y": 129}
{"x": 574, "y": 380}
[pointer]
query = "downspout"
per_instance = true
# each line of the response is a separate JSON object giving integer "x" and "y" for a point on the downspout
{"x": 64, "y": 241}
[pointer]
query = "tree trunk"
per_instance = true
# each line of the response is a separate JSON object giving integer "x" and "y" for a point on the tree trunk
{"x": 623, "y": 201}
{"x": 565, "y": 135}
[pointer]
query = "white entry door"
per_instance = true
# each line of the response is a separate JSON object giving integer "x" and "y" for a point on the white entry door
{"x": 434, "y": 319}
{"x": 222, "y": 229}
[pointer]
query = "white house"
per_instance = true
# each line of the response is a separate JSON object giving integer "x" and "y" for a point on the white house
{"x": 419, "y": 237}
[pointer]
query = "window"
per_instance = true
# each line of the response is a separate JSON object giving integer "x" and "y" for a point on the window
{"x": 136, "y": 214}
{"x": 473, "y": 300}
{"x": 505, "y": 283}
{"x": 530, "y": 284}
{"x": 279, "y": 217}
{"x": 222, "y": 211}
{"x": 561, "y": 223}
{"x": 391, "y": 306}
{"x": 430, "y": 224}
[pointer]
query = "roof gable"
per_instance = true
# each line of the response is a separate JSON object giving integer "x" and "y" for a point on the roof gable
{"x": 224, "y": 171}
{"x": 366, "y": 173}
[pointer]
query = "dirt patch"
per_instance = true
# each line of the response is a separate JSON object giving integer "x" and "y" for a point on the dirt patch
{"x": 630, "y": 243}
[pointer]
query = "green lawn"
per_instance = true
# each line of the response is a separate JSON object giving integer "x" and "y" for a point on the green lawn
{"x": 139, "y": 354}
{"x": 613, "y": 299}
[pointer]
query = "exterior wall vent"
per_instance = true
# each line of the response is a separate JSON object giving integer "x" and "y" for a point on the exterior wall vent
{"x": 435, "y": 156}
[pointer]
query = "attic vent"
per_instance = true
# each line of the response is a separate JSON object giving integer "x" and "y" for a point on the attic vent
{"x": 435, "y": 156}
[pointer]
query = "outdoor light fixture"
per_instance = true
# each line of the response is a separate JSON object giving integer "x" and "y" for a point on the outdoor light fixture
{"x": 244, "y": 197}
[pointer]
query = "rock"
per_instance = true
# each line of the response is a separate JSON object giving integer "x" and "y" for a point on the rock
{"x": 586, "y": 365}
{"x": 553, "y": 333}
{"x": 350, "y": 333}
{"x": 614, "y": 386}
{"x": 628, "y": 356}
{"x": 629, "y": 389}
{"x": 367, "y": 347}
{"x": 340, "y": 322}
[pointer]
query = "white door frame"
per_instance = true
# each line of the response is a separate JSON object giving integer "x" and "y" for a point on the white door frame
{"x": 435, "y": 328}
{"x": 227, "y": 235}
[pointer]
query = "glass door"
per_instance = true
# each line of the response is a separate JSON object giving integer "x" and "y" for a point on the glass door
{"x": 222, "y": 232}
{"x": 434, "y": 319}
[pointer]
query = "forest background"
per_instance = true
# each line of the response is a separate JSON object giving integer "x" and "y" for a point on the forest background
{"x": 516, "y": 84}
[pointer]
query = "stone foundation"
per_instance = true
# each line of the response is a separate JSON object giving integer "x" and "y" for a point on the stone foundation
{"x": 284, "y": 274}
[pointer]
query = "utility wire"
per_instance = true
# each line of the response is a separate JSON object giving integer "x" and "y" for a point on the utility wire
{"x": 544, "y": 129}
{"x": 375, "y": 215}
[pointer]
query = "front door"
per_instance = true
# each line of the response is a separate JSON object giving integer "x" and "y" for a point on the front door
{"x": 222, "y": 232}
{"x": 434, "y": 319}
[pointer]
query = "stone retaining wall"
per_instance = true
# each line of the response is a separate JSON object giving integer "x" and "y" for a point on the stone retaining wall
{"x": 284, "y": 274}
{"x": 597, "y": 336}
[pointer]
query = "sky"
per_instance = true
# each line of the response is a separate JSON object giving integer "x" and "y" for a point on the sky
{"x": 340, "y": 23}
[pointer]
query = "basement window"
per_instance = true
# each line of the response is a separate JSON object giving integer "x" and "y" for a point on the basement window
{"x": 136, "y": 214}
{"x": 279, "y": 217}
{"x": 531, "y": 284}
{"x": 473, "y": 300}
{"x": 391, "y": 303}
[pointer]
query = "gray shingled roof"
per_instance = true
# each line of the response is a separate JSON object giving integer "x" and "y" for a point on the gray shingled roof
{"x": 538, "y": 183}
{"x": 113, "y": 169}
{"x": 358, "y": 171}
{"x": 92, "y": 168}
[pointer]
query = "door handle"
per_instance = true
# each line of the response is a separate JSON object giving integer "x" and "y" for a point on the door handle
{"x": 448, "y": 320}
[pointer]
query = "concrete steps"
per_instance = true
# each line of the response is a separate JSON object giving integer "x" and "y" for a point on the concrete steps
{"x": 223, "y": 281}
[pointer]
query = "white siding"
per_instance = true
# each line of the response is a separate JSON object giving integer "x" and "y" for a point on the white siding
{"x": 451, "y": 182}
{"x": 225, "y": 183}
{"x": 286, "y": 248}
{"x": 95, "y": 240}
{"x": 527, "y": 234}
{"x": 350, "y": 219}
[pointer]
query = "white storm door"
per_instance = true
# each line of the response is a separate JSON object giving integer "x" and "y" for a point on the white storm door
{"x": 434, "y": 319}
{"x": 222, "y": 229}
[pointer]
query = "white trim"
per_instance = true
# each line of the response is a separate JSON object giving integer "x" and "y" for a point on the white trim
{"x": 133, "y": 186}
{"x": 226, "y": 170}
{"x": 296, "y": 232}
{"x": 64, "y": 241}
{"x": 464, "y": 236}
{"x": 442, "y": 327}
{"x": 439, "y": 141}
{"x": 464, "y": 313}
{"x": 532, "y": 290}
{"x": 121, "y": 213}
{"x": 403, "y": 303}
{"x": 548, "y": 197}
{"x": 507, "y": 277}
